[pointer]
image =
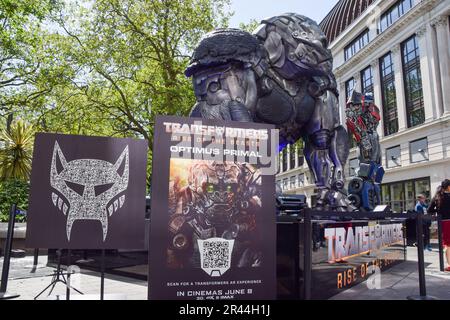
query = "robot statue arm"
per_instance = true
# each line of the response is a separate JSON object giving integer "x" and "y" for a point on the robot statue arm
{"x": 326, "y": 151}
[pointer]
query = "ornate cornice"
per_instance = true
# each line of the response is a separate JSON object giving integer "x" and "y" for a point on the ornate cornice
{"x": 421, "y": 31}
{"x": 374, "y": 63}
{"x": 439, "y": 21}
{"x": 418, "y": 10}
{"x": 395, "y": 49}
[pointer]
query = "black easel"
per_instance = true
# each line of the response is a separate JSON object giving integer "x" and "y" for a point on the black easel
{"x": 440, "y": 244}
{"x": 102, "y": 276}
{"x": 8, "y": 246}
{"x": 58, "y": 276}
{"x": 35, "y": 260}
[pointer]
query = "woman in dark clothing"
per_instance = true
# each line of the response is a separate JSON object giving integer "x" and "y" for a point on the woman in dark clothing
{"x": 441, "y": 205}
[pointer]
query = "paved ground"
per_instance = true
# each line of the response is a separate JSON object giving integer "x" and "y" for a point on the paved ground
{"x": 23, "y": 281}
{"x": 397, "y": 283}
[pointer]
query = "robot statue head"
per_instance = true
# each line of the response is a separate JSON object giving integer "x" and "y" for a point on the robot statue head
{"x": 222, "y": 70}
{"x": 88, "y": 189}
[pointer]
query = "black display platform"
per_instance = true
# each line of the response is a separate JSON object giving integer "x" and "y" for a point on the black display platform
{"x": 327, "y": 279}
{"x": 290, "y": 259}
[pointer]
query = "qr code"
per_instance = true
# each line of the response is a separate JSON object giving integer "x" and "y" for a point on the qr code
{"x": 216, "y": 254}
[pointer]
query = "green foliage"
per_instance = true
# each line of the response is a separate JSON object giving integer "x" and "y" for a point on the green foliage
{"x": 13, "y": 191}
{"x": 250, "y": 26}
{"x": 20, "y": 39}
{"x": 101, "y": 67}
{"x": 118, "y": 64}
{"x": 16, "y": 151}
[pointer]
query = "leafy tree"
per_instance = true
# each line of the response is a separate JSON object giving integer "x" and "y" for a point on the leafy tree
{"x": 16, "y": 152}
{"x": 130, "y": 57}
{"x": 13, "y": 191}
{"x": 102, "y": 67}
{"x": 250, "y": 26}
{"x": 19, "y": 41}
{"x": 118, "y": 64}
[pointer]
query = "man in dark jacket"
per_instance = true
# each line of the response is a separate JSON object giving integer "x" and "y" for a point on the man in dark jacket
{"x": 421, "y": 207}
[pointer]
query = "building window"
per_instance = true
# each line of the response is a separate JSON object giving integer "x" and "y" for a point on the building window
{"x": 284, "y": 156}
{"x": 357, "y": 44}
{"x": 353, "y": 164}
{"x": 418, "y": 150}
{"x": 349, "y": 86}
{"x": 401, "y": 196}
{"x": 292, "y": 156}
{"x": 299, "y": 153}
{"x": 388, "y": 95}
{"x": 393, "y": 157}
{"x": 301, "y": 179}
{"x": 367, "y": 81}
{"x": 285, "y": 184}
{"x": 301, "y": 159}
{"x": 280, "y": 163}
{"x": 292, "y": 183}
{"x": 279, "y": 184}
{"x": 413, "y": 82}
{"x": 394, "y": 13}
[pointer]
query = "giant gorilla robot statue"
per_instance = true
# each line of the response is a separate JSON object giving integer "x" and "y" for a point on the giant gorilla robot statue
{"x": 282, "y": 75}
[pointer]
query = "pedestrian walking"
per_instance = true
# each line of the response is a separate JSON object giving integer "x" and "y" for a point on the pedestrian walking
{"x": 441, "y": 205}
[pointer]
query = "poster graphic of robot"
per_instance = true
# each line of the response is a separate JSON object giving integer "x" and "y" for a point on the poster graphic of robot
{"x": 213, "y": 208}
{"x": 87, "y": 192}
{"x": 213, "y": 216}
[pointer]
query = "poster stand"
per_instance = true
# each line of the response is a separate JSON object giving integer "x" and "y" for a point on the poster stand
{"x": 420, "y": 248}
{"x": 8, "y": 246}
{"x": 35, "y": 264}
{"x": 58, "y": 276}
{"x": 102, "y": 276}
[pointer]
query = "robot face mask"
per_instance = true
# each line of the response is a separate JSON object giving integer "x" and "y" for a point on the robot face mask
{"x": 218, "y": 187}
{"x": 226, "y": 83}
{"x": 89, "y": 189}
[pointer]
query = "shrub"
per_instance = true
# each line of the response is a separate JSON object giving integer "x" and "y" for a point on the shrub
{"x": 13, "y": 191}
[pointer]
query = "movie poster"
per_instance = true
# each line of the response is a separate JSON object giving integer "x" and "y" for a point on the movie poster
{"x": 213, "y": 233}
{"x": 87, "y": 193}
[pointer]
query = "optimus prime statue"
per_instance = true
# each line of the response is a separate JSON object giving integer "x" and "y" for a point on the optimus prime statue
{"x": 281, "y": 74}
{"x": 219, "y": 200}
{"x": 363, "y": 117}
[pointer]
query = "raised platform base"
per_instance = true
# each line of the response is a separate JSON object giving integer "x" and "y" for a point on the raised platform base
{"x": 340, "y": 258}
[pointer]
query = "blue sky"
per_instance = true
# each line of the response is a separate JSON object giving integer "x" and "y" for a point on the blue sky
{"x": 245, "y": 10}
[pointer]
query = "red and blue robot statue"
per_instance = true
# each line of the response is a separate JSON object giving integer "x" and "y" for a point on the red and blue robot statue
{"x": 363, "y": 117}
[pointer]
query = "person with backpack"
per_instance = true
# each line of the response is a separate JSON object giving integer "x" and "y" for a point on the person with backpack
{"x": 421, "y": 208}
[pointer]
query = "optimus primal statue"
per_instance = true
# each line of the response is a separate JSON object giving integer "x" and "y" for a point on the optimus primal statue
{"x": 363, "y": 117}
{"x": 282, "y": 75}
